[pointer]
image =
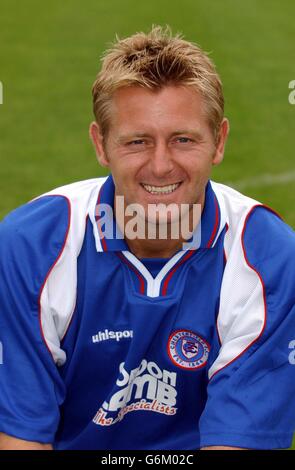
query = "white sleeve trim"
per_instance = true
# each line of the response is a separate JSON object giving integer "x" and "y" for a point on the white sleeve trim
{"x": 58, "y": 295}
{"x": 242, "y": 311}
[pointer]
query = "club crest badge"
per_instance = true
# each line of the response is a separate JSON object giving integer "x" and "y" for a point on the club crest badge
{"x": 188, "y": 350}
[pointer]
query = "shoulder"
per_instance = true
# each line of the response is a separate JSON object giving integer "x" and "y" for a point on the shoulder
{"x": 80, "y": 192}
{"x": 258, "y": 228}
{"x": 266, "y": 234}
{"x": 46, "y": 221}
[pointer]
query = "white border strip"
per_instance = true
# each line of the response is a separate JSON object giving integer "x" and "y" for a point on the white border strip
{"x": 153, "y": 284}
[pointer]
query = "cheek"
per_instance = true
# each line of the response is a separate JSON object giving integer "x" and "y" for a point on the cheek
{"x": 132, "y": 169}
{"x": 197, "y": 166}
{"x": 124, "y": 175}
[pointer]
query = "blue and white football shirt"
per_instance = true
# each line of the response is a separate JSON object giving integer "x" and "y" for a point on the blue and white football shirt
{"x": 102, "y": 350}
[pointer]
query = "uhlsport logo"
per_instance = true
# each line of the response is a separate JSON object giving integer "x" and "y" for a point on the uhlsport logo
{"x": 188, "y": 350}
{"x": 111, "y": 335}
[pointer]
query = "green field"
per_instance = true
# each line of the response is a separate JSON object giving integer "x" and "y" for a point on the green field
{"x": 49, "y": 56}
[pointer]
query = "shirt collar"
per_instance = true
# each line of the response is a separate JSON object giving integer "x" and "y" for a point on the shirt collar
{"x": 112, "y": 239}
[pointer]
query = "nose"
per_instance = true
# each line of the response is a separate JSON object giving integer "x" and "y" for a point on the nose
{"x": 161, "y": 163}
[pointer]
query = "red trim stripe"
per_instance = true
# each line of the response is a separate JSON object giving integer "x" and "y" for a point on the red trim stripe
{"x": 224, "y": 261}
{"x": 224, "y": 253}
{"x": 101, "y": 236}
{"x": 138, "y": 274}
{"x": 216, "y": 224}
{"x": 170, "y": 274}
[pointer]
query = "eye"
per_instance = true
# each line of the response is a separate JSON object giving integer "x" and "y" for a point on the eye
{"x": 136, "y": 142}
{"x": 184, "y": 140}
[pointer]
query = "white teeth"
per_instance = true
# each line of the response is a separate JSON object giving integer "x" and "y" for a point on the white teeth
{"x": 161, "y": 189}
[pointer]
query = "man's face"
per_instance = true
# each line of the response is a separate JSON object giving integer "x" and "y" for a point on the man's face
{"x": 160, "y": 148}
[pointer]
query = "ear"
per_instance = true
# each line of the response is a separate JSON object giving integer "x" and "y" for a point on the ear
{"x": 97, "y": 140}
{"x": 222, "y": 137}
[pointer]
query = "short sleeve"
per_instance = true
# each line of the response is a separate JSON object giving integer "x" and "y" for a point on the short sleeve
{"x": 31, "y": 389}
{"x": 251, "y": 390}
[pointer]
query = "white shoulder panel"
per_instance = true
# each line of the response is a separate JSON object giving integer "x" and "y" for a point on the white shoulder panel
{"x": 242, "y": 315}
{"x": 58, "y": 297}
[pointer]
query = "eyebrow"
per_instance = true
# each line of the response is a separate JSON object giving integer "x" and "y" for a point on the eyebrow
{"x": 134, "y": 135}
{"x": 193, "y": 132}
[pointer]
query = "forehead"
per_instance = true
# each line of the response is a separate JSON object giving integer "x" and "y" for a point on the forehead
{"x": 167, "y": 107}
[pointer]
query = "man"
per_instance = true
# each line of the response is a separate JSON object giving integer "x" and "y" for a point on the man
{"x": 141, "y": 342}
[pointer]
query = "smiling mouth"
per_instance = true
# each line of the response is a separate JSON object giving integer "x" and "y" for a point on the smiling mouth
{"x": 170, "y": 188}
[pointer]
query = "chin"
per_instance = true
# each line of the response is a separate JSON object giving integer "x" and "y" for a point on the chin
{"x": 163, "y": 218}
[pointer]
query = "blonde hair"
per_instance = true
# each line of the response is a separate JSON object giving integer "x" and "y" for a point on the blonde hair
{"x": 154, "y": 60}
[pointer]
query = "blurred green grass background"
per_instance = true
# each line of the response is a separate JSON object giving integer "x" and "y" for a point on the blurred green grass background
{"x": 49, "y": 56}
